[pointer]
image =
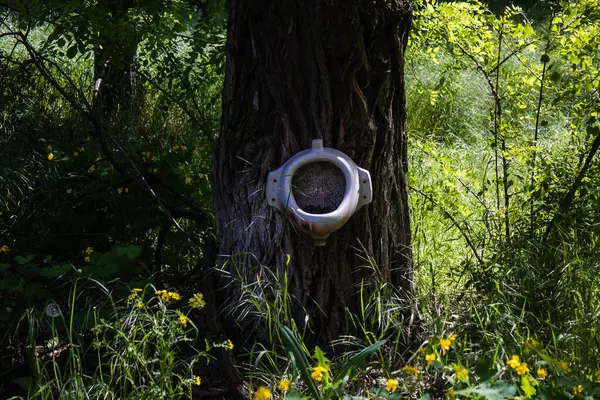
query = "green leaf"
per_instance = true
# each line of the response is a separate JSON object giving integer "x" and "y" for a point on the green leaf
{"x": 24, "y": 260}
{"x": 320, "y": 357}
{"x": 381, "y": 392}
{"x": 592, "y": 130}
{"x": 358, "y": 360}
{"x": 55, "y": 271}
{"x": 133, "y": 252}
{"x": 24, "y": 382}
{"x": 484, "y": 368}
{"x": 526, "y": 386}
{"x": 300, "y": 360}
{"x": 498, "y": 391}
{"x": 555, "y": 76}
{"x": 528, "y": 30}
{"x": 72, "y": 51}
{"x": 294, "y": 395}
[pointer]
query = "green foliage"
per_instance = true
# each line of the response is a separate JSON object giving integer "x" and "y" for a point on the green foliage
{"x": 30, "y": 284}
{"x": 499, "y": 134}
{"x": 332, "y": 385}
{"x": 141, "y": 348}
{"x": 503, "y": 134}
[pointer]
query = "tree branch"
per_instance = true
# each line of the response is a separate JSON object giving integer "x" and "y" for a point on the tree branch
{"x": 566, "y": 201}
{"x": 451, "y": 218}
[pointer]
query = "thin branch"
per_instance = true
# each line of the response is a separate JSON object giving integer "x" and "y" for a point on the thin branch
{"x": 480, "y": 68}
{"x": 535, "y": 138}
{"x": 170, "y": 97}
{"x": 508, "y": 57}
{"x": 566, "y": 201}
{"x": 451, "y": 218}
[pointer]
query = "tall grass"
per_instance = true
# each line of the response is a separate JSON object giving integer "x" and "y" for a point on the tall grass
{"x": 136, "y": 348}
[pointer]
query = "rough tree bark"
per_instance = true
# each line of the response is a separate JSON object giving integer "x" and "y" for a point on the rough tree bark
{"x": 299, "y": 70}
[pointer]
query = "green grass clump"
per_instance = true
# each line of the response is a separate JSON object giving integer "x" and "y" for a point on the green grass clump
{"x": 144, "y": 346}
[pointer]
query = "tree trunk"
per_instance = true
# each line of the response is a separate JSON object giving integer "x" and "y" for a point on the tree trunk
{"x": 296, "y": 71}
{"x": 119, "y": 88}
{"x": 115, "y": 54}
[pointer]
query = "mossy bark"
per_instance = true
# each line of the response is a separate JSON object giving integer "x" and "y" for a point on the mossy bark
{"x": 296, "y": 71}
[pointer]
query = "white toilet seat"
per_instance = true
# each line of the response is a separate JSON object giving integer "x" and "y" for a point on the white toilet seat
{"x": 358, "y": 191}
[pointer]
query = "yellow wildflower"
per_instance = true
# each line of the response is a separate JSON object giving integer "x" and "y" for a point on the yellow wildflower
{"x": 542, "y": 373}
{"x": 392, "y": 385}
{"x": 522, "y": 369}
{"x": 50, "y": 156}
{"x": 82, "y": 149}
{"x": 133, "y": 295}
{"x": 430, "y": 358}
{"x": 120, "y": 190}
{"x": 197, "y": 301}
{"x": 514, "y": 362}
{"x": 75, "y": 154}
{"x": 91, "y": 169}
{"x": 87, "y": 260}
{"x": 318, "y": 372}
{"x": 4, "y": 249}
{"x": 410, "y": 370}
{"x": 262, "y": 393}
{"x": 184, "y": 148}
{"x": 176, "y": 147}
{"x": 450, "y": 394}
{"x": 445, "y": 345}
{"x": 284, "y": 385}
{"x": 188, "y": 180}
{"x": 577, "y": 390}
{"x": 139, "y": 304}
{"x": 563, "y": 366}
{"x": 197, "y": 380}
{"x": 183, "y": 320}
{"x": 453, "y": 337}
{"x": 99, "y": 158}
{"x": 69, "y": 191}
{"x": 462, "y": 374}
{"x": 89, "y": 250}
{"x": 531, "y": 343}
{"x": 164, "y": 295}
{"x": 174, "y": 296}
{"x": 49, "y": 148}
{"x": 229, "y": 345}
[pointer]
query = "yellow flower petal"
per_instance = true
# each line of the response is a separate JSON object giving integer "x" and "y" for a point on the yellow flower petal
{"x": 262, "y": 393}
{"x": 284, "y": 385}
{"x": 392, "y": 385}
